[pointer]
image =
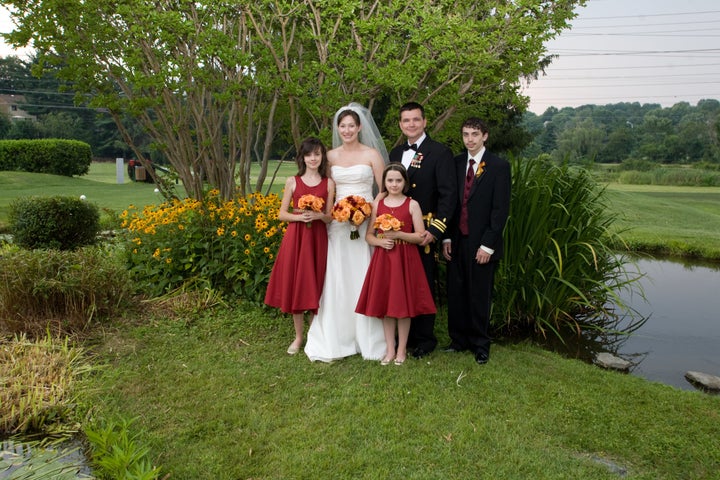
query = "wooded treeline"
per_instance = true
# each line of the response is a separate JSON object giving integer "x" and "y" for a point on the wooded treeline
{"x": 623, "y": 132}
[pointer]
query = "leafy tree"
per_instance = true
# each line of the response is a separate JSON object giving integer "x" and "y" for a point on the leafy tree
{"x": 580, "y": 143}
{"x": 211, "y": 81}
{"x": 5, "y": 125}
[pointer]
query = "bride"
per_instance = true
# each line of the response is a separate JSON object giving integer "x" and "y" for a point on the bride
{"x": 356, "y": 162}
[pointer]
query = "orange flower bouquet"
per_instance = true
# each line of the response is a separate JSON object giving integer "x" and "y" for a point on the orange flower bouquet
{"x": 387, "y": 222}
{"x": 311, "y": 202}
{"x": 353, "y": 209}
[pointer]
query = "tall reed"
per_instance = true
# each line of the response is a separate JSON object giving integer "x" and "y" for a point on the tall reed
{"x": 558, "y": 269}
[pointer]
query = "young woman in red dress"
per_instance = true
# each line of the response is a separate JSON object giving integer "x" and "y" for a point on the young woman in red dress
{"x": 297, "y": 278}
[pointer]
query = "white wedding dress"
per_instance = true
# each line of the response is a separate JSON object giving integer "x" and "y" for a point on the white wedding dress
{"x": 337, "y": 331}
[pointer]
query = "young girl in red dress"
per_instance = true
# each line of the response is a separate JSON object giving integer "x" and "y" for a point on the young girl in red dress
{"x": 395, "y": 287}
{"x": 298, "y": 275}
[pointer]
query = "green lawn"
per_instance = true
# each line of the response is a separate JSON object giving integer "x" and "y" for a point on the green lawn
{"x": 674, "y": 220}
{"x": 99, "y": 188}
{"x": 216, "y": 397}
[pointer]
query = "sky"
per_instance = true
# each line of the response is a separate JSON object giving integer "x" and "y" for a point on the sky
{"x": 646, "y": 51}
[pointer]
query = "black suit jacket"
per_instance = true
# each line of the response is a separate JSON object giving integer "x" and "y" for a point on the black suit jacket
{"x": 432, "y": 184}
{"x": 488, "y": 202}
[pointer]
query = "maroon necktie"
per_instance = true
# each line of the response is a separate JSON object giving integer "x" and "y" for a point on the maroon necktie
{"x": 469, "y": 177}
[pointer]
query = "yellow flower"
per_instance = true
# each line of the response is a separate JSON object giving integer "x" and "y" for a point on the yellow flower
{"x": 247, "y": 251}
{"x": 247, "y": 237}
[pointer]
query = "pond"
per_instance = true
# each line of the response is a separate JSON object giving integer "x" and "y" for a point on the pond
{"x": 682, "y": 331}
{"x": 681, "y": 328}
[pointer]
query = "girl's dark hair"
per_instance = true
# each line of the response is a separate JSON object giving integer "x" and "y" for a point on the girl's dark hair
{"x": 351, "y": 113}
{"x": 395, "y": 167}
{"x": 308, "y": 146}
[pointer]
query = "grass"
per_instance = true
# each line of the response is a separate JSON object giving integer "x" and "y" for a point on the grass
{"x": 217, "y": 397}
{"x": 681, "y": 221}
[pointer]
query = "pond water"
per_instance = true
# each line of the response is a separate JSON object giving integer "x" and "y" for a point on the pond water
{"x": 679, "y": 324}
{"x": 682, "y": 331}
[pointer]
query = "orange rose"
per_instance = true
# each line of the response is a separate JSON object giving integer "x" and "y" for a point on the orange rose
{"x": 358, "y": 217}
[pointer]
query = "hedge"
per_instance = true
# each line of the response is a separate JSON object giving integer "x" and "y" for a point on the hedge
{"x": 54, "y": 156}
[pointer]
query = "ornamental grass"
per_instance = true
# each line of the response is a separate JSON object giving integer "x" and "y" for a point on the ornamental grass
{"x": 559, "y": 269}
{"x": 36, "y": 385}
{"x": 229, "y": 245}
{"x": 61, "y": 290}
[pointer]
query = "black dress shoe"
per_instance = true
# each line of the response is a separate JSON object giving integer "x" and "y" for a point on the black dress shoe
{"x": 419, "y": 353}
{"x": 481, "y": 358}
{"x": 452, "y": 348}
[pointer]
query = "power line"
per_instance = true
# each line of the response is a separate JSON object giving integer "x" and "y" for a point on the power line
{"x": 589, "y": 53}
{"x": 653, "y": 15}
{"x": 618, "y": 85}
{"x": 642, "y": 25}
{"x": 634, "y": 67}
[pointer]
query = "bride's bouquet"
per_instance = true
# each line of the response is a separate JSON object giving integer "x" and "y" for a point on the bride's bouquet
{"x": 353, "y": 209}
{"x": 311, "y": 202}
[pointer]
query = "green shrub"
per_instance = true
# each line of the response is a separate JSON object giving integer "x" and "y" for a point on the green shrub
{"x": 63, "y": 223}
{"x": 559, "y": 269}
{"x": 227, "y": 246}
{"x": 54, "y": 156}
{"x": 70, "y": 287}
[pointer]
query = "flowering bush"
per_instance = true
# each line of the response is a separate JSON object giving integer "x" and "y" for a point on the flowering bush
{"x": 230, "y": 244}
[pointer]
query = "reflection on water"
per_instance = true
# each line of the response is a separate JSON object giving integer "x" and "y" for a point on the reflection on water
{"x": 681, "y": 331}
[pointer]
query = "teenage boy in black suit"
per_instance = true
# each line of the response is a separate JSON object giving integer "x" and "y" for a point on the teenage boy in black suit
{"x": 475, "y": 242}
{"x": 432, "y": 184}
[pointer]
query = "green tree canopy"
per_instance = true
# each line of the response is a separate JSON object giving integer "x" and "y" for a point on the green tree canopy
{"x": 210, "y": 81}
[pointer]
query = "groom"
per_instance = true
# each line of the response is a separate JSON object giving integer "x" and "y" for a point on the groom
{"x": 429, "y": 166}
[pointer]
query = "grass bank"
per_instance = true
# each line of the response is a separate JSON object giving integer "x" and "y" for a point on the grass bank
{"x": 683, "y": 221}
{"x": 216, "y": 397}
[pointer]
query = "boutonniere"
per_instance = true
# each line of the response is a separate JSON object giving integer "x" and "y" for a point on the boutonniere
{"x": 416, "y": 160}
{"x": 480, "y": 169}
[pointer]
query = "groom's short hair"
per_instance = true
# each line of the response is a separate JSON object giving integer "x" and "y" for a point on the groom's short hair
{"x": 412, "y": 106}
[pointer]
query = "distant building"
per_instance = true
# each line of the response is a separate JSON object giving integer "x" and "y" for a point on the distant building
{"x": 11, "y": 105}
